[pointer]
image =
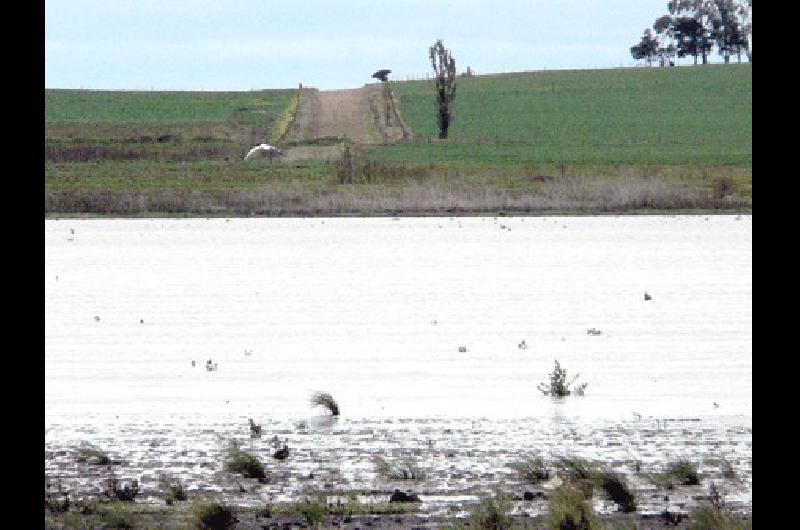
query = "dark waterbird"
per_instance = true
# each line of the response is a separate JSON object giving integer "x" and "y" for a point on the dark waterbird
{"x": 282, "y": 454}
{"x": 255, "y": 430}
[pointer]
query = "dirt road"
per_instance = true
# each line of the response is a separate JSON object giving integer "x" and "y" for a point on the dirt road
{"x": 363, "y": 115}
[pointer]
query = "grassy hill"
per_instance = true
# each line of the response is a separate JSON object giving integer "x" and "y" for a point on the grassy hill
{"x": 682, "y": 115}
{"x": 636, "y": 139}
{"x": 125, "y": 107}
{"x": 84, "y": 125}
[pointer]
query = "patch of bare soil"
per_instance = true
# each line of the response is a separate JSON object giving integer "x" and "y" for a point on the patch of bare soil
{"x": 364, "y": 115}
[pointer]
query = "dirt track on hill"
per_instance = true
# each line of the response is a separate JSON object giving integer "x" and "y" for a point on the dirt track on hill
{"x": 361, "y": 115}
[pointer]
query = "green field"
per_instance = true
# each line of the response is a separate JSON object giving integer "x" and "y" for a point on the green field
{"x": 129, "y": 107}
{"x": 683, "y": 115}
{"x": 635, "y": 139}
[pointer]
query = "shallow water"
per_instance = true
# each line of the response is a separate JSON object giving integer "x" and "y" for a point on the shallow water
{"x": 374, "y": 311}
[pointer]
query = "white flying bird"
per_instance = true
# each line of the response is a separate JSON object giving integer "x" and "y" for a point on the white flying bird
{"x": 269, "y": 149}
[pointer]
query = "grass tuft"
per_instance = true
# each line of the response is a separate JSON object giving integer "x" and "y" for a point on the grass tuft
{"x": 173, "y": 490}
{"x": 617, "y": 489}
{"x": 213, "y": 516}
{"x": 706, "y": 517}
{"x": 574, "y": 468}
{"x": 240, "y": 461}
{"x": 531, "y": 468}
{"x": 115, "y": 490}
{"x": 492, "y": 513}
{"x": 93, "y": 455}
{"x": 324, "y": 399}
{"x": 401, "y": 469}
{"x": 568, "y": 510}
{"x": 684, "y": 472}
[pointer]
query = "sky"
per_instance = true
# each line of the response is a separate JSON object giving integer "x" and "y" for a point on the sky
{"x": 328, "y": 44}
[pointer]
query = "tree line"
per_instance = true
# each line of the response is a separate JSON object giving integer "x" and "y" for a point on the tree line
{"x": 694, "y": 27}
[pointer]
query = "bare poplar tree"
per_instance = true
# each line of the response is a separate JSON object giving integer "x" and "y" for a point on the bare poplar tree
{"x": 444, "y": 66}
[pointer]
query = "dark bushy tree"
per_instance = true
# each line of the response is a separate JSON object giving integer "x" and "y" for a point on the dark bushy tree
{"x": 664, "y": 29}
{"x": 444, "y": 67}
{"x": 728, "y": 33}
{"x": 696, "y": 36}
{"x": 647, "y": 48}
{"x": 693, "y": 27}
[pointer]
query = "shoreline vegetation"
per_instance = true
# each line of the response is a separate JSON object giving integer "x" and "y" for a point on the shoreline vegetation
{"x": 541, "y": 143}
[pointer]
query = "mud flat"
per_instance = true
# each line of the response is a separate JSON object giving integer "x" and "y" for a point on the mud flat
{"x": 463, "y": 460}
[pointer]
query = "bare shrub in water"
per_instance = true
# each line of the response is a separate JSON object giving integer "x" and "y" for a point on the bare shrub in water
{"x": 559, "y": 386}
{"x": 324, "y": 399}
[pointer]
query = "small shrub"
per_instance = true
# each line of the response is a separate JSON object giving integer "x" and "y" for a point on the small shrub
{"x": 173, "y": 489}
{"x": 213, "y": 516}
{"x": 246, "y": 465}
{"x": 94, "y": 456}
{"x": 118, "y": 515}
{"x": 314, "y": 512}
{"x": 492, "y": 513}
{"x": 243, "y": 463}
{"x": 576, "y": 468}
{"x": 616, "y": 487}
{"x": 324, "y": 399}
{"x": 531, "y": 468}
{"x": 568, "y": 510}
{"x": 402, "y": 469}
{"x": 706, "y": 517}
{"x": 558, "y": 385}
{"x": 684, "y": 473}
{"x": 727, "y": 469}
{"x": 121, "y": 492}
{"x": 56, "y": 500}
{"x": 722, "y": 187}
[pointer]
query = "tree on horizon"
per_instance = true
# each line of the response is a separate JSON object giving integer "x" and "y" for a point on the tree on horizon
{"x": 444, "y": 68}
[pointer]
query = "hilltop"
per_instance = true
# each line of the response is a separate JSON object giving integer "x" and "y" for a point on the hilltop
{"x": 621, "y": 140}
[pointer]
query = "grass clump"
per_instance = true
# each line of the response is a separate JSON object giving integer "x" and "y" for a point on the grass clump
{"x": 313, "y": 511}
{"x": 531, "y": 468}
{"x": 682, "y": 472}
{"x": 707, "y": 517}
{"x": 56, "y": 499}
{"x": 726, "y": 466}
{"x": 118, "y": 515}
{"x": 115, "y": 490}
{"x": 401, "y": 469}
{"x": 213, "y": 516}
{"x": 559, "y": 386}
{"x": 568, "y": 510}
{"x": 573, "y": 468}
{"x": 173, "y": 490}
{"x": 492, "y": 513}
{"x": 324, "y": 399}
{"x": 713, "y": 515}
{"x": 240, "y": 461}
{"x": 617, "y": 489}
{"x": 93, "y": 455}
